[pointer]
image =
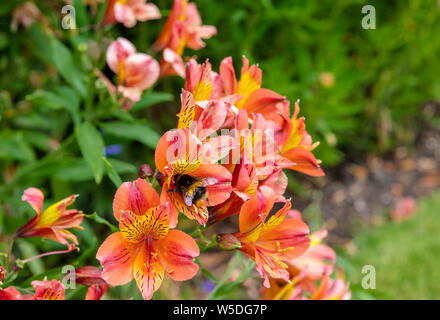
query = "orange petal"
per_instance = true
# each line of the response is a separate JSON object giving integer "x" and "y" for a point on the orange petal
{"x": 117, "y": 257}
{"x": 220, "y": 173}
{"x": 174, "y": 213}
{"x": 227, "y": 74}
{"x": 137, "y": 198}
{"x": 134, "y": 228}
{"x": 48, "y": 290}
{"x": 197, "y": 211}
{"x": 290, "y": 233}
{"x": 305, "y": 162}
{"x": 148, "y": 271}
{"x": 254, "y": 211}
{"x": 171, "y": 147}
{"x": 10, "y": 294}
{"x": 177, "y": 251}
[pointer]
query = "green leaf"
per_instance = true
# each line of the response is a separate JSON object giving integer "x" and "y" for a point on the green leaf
{"x": 95, "y": 217}
{"x": 38, "y": 139}
{"x": 225, "y": 287}
{"x": 133, "y": 131}
{"x": 78, "y": 170}
{"x": 28, "y": 250}
{"x": 49, "y": 274}
{"x": 82, "y": 19}
{"x": 151, "y": 98}
{"x": 63, "y": 97}
{"x": 50, "y": 50}
{"x": 112, "y": 174}
{"x": 14, "y": 146}
{"x": 6, "y": 6}
{"x": 64, "y": 63}
{"x": 92, "y": 148}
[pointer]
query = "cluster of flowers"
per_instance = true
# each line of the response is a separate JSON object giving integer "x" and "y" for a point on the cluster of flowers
{"x": 202, "y": 174}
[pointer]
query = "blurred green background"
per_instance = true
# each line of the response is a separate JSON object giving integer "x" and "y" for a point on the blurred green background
{"x": 361, "y": 92}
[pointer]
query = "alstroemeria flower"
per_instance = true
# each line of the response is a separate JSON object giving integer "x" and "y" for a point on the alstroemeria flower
{"x": 298, "y": 148}
{"x": 202, "y": 82}
{"x": 136, "y": 71}
{"x": 250, "y": 79}
{"x": 270, "y": 242}
{"x": 44, "y": 290}
{"x": 10, "y": 293}
{"x": 2, "y": 274}
{"x": 183, "y": 28}
{"x": 192, "y": 180}
{"x": 317, "y": 262}
{"x": 171, "y": 64}
{"x": 193, "y": 31}
{"x": 48, "y": 290}
{"x": 128, "y": 12}
{"x": 330, "y": 289}
{"x": 54, "y": 222}
{"x": 145, "y": 248}
{"x": 309, "y": 273}
{"x": 92, "y": 277}
{"x": 245, "y": 185}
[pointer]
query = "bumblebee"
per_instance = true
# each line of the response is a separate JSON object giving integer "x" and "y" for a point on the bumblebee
{"x": 192, "y": 188}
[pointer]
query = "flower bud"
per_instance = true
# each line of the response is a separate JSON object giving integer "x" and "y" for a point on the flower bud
{"x": 228, "y": 242}
{"x": 2, "y": 274}
{"x": 145, "y": 171}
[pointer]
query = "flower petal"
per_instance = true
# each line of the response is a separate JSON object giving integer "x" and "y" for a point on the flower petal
{"x": 118, "y": 51}
{"x": 148, "y": 271}
{"x": 177, "y": 251}
{"x": 117, "y": 257}
{"x": 34, "y": 197}
{"x": 137, "y": 198}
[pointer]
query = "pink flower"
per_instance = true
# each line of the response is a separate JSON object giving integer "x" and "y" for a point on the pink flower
{"x": 136, "y": 71}
{"x": 128, "y": 12}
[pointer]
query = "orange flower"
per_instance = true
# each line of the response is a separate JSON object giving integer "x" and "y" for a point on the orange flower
{"x": 44, "y": 290}
{"x": 91, "y": 276}
{"x": 129, "y": 12}
{"x": 193, "y": 32}
{"x": 145, "y": 248}
{"x": 53, "y": 222}
{"x": 183, "y": 28}
{"x": 2, "y": 274}
{"x": 270, "y": 242}
{"x": 250, "y": 80}
{"x": 298, "y": 148}
{"x": 10, "y": 293}
{"x": 48, "y": 290}
{"x": 315, "y": 264}
{"x": 202, "y": 82}
{"x": 330, "y": 289}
